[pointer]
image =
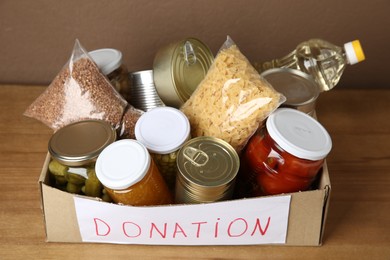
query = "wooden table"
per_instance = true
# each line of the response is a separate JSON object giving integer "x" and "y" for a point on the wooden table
{"x": 358, "y": 224}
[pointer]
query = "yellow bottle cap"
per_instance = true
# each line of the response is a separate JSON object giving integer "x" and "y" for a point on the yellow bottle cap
{"x": 358, "y": 50}
{"x": 354, "y": 52}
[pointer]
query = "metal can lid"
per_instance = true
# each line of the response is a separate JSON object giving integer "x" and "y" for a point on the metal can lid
{"x": 162, "y": 130}
{"x": 188, "y": 62}
{"x": 122, "y": 164}
{"x": 208, "y": 162}
{"x": 298, "y": 87}
{"x": 107, "y": 59}
{"x": 80, "y": 143}
{"x": 299, "y": 134}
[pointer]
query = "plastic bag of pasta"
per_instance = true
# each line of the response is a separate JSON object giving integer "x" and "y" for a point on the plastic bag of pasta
{"x": 232, "y": 100}
{"x": 79, "y": 92}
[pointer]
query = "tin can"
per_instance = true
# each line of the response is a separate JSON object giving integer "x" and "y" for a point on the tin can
{"x": 74, "y": 150}
{"x": 179, "y": 68}
{"x": 143, "y": 94}
{"x": 110, "y": 63}
{"x": 163, "y": 131}
{"x": 299, "y": 88}
{"x": 207, "y": 168}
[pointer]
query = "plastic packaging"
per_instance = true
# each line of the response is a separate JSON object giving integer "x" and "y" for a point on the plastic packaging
{"x": 81, "y": 92}
{"x": 285, "y": 155}
{"x": 324, "y": 61}
{"x": 111, "y": 64}
{"x": 130, "y": 176}
{"x": 232, "y": 100}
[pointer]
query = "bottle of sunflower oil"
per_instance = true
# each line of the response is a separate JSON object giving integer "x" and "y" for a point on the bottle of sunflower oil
{"x": 324, "y": 61}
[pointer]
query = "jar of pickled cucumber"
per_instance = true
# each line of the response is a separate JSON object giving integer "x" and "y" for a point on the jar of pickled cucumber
{"x": 74, "y": 150}
{"x": 130, "y": 176}
{"x": 163, "y": 131}
{"x": 111, "y": 64}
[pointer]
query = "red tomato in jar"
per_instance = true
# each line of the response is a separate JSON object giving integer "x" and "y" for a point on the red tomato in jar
{"x": 276, "y": 171}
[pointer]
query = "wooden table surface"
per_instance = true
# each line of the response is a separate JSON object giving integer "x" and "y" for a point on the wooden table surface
{"x": 358, "y": 223}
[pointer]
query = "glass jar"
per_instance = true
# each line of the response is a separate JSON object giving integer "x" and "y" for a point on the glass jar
{"x": 163, "y": 130}
{"x": 285, "y": 155}
{"x": 74, "y": 150}
{"x": 111, "y": 65}
{"x": 130, "y": 176}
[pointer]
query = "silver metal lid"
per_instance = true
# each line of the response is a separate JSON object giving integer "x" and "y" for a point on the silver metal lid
{"x": 299, "y": 88}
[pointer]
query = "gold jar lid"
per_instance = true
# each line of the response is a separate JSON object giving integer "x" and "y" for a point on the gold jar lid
{"x": 80, "y": 143}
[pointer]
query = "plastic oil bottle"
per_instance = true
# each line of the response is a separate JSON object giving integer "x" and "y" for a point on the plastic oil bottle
{"x": 324, "y": 61}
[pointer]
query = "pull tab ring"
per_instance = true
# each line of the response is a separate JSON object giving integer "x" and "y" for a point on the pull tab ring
{"x": 195, "y": 156}
{"x": 189, "y": 54}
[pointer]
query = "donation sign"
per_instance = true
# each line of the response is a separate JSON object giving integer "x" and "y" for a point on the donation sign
{"x": 237, "y": 222}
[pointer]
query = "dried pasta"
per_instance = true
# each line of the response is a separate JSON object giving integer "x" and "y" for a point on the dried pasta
{"x": 231, "y": 101}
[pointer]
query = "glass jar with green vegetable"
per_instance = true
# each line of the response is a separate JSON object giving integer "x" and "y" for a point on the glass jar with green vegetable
{"x": 163, "y": 131}
{"x": 74, "y": 150}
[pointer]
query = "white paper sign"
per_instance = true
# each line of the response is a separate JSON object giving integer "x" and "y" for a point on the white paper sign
{"x": 237, "y": 222}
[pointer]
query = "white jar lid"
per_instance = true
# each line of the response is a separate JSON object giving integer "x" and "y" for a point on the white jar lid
{"x": 162, "y": 129}
{"x": 122, "y": 164}
{"x": 299, "y": 134}
{"x": 107, "y": 60}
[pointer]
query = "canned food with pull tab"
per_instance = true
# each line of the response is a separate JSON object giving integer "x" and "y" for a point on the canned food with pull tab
{"x": 207, "y": 170}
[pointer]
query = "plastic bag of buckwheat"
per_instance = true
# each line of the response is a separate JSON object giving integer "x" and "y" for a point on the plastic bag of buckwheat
{"x": 80, "y": 92}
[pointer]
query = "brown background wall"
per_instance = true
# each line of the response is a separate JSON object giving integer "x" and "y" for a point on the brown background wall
{"x": 36, "y": 37}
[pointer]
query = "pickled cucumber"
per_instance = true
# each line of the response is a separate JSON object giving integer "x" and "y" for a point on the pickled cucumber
{"x": 93, "y": 187}
{"x": 105, "y": 196}
{"x": 74, "y": 178}
{"x": 57, "y": 169}
{"x": 73, "y": 188}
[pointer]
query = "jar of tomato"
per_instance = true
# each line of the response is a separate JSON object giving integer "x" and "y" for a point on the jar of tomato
{"x": 285, "y": 155}
{"x": 130, "y": 176}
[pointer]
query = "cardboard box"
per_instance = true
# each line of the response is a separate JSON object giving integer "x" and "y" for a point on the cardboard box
{"x": 305, "y": 219}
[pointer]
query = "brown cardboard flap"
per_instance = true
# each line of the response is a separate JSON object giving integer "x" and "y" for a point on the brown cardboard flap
{"x": 307, "y": 215}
